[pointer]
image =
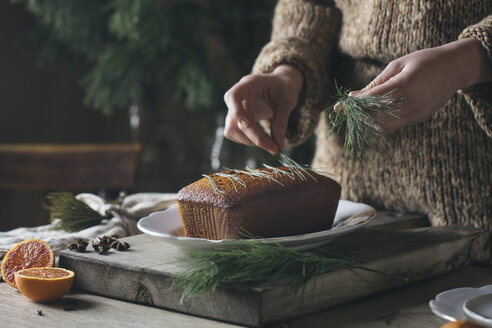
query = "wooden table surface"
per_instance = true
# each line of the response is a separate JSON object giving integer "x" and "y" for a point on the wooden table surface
{"x": 402, "y": 307}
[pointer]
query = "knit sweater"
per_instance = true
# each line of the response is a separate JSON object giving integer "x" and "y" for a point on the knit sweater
{"x": 441, "y": 167}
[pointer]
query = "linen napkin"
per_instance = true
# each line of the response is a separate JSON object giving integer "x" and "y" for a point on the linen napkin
{"x": 123, "y": 223}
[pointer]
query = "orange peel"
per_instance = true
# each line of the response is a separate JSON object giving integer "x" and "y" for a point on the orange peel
{"x": 30, "y": 253}
{"x": 44, "y": 284}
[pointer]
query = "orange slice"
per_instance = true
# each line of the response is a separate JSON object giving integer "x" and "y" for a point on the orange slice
{"x": 30, "y": 253}
{"x": 44, "y": 284}
{"x": 461, "y": 324}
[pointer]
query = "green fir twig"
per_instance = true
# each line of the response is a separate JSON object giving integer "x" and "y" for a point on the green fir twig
{"x": 254, "y": 262}
{"x": 362, "y": 130}
{"x": 69, "y": 214}
{"x": 292, "y": 169}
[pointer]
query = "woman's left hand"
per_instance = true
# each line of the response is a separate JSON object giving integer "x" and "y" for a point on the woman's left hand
{"x": 426, "y": 79}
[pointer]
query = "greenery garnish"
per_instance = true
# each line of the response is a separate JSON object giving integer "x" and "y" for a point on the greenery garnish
{"x": 70, "y": 214}
{"x": 255, "y": 262}
{"x": 293, "y": 170}
{"x": 362, "y": 128}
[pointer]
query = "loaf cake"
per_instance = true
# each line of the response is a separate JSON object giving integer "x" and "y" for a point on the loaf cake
{"x": 267, "y": 202}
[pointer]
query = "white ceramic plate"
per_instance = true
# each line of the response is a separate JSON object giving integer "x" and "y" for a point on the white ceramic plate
{"x": 449, "y": 304}
{"x": 350, "y": 216}
{"x": 479, "y": 309}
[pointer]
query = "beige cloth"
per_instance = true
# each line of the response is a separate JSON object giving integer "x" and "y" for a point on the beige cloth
{"x": 441, "y": 167}
{"x": 123, "y": 223}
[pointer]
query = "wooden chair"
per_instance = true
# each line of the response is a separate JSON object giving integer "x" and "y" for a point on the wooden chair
{"x": 68, "y": 166}
{"x": 28, "y": 171}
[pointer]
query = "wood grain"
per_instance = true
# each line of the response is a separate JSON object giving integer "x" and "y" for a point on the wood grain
{"x": 407, "y": 306}
{"x": 68, "y": 166}
{"x": 141, "y": 275}
{"x": 401, "y": 307}
{"x": 78, "y": 309}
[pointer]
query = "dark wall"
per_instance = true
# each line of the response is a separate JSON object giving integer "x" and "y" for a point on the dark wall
{"x": 41, "y": 104}
{"x": 44, "y": 103}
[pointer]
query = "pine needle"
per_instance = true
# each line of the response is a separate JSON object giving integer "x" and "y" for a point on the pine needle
{"x": 69, "y": 214}
{"x": 254, "y": 262}
{"x": 292, "y": 170}
{"x": 362, "y": 129}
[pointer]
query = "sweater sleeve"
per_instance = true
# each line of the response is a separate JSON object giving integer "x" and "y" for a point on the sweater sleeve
{"x": 479, "y": 96}
{"x": 304, "y": 35}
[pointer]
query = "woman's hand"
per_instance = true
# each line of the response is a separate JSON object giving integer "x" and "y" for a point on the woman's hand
{"x": 258, "y": 97}
{"x": 425, "y": 80}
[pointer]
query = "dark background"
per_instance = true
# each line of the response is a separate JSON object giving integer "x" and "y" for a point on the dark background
{"x": 42, "y": 101}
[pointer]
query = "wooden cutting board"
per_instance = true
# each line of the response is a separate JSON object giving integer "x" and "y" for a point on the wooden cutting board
{"x": 141, "y": 273}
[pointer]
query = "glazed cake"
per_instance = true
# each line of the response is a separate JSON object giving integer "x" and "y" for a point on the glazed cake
{"x": 267, "y": 202}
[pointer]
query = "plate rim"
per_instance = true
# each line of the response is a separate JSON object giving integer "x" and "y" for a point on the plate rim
{"x": 370, "y": 213}
{"x": 475, "y": 316}
{"x": 434, "y": 303}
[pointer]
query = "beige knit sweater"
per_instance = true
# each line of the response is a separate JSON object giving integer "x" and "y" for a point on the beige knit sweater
{"x": 441, "y": 167}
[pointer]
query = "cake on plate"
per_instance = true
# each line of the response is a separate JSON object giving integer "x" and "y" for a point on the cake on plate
{"x": 261, "y": 203}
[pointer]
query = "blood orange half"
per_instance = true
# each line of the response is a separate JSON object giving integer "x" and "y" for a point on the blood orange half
{"x": 30, "y": 253}
{"x": 44, "y": 284}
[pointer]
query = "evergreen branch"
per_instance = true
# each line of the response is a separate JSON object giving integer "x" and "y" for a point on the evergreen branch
{"x": 69, "y": 214}
{"x": 255, "y": 262}
{"x": 292, "y": 169}
{"x": 212, "y": 182}
{"x": 78, "y": 24}
{"x": 362, "y": 130}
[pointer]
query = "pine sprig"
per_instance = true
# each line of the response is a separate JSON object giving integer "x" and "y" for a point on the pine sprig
{"x": 362, "y": 130}
{"x": 254, "y": 262}
{"x": 291, "y": 169}
{"x": 132, "y": 48}
{"x": 69, "y": 214}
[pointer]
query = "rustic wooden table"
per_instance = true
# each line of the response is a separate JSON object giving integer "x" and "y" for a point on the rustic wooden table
{"x": 402, "y": 307}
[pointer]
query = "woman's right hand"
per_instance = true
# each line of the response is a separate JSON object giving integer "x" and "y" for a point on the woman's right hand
{"x": 257, "y": 97}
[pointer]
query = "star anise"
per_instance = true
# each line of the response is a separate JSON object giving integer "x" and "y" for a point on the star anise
{"x": 101, "y": 246}
{"x": 108, "y": 240}
{"x": 79, "y": 245}
{"x": 120, "y": 245}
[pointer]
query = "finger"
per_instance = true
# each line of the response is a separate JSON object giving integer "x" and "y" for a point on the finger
{"x": 279, "y": 128}
{"x": 391, "y": 87}
{"x": 240, "y": 137}
{"x": 237, "y": 110}
{"x": 261, "y": 111}
{"x": 241, "y": 126}
{"x": 257, "y": 136}
{"x": 238, "y": 116}
{"x": 337, "y": 108}
{"x": 258, "y": 109}
{"x": 279, "y": 121}
{"x": 233, "y": 133}
{"x": 390, "y": 70}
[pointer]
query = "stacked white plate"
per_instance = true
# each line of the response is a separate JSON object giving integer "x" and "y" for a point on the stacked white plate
{"x": 474, "y": 304}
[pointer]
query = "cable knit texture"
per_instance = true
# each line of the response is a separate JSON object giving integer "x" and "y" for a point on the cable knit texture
{"x": 441, "y": 167}
{"x": 304, "y": 35}
{"x": 480, "y": 96}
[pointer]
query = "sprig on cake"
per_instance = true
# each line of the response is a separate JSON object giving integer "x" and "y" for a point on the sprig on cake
{"x": 292, "y": 170}
{"x": 360, "y": 116}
